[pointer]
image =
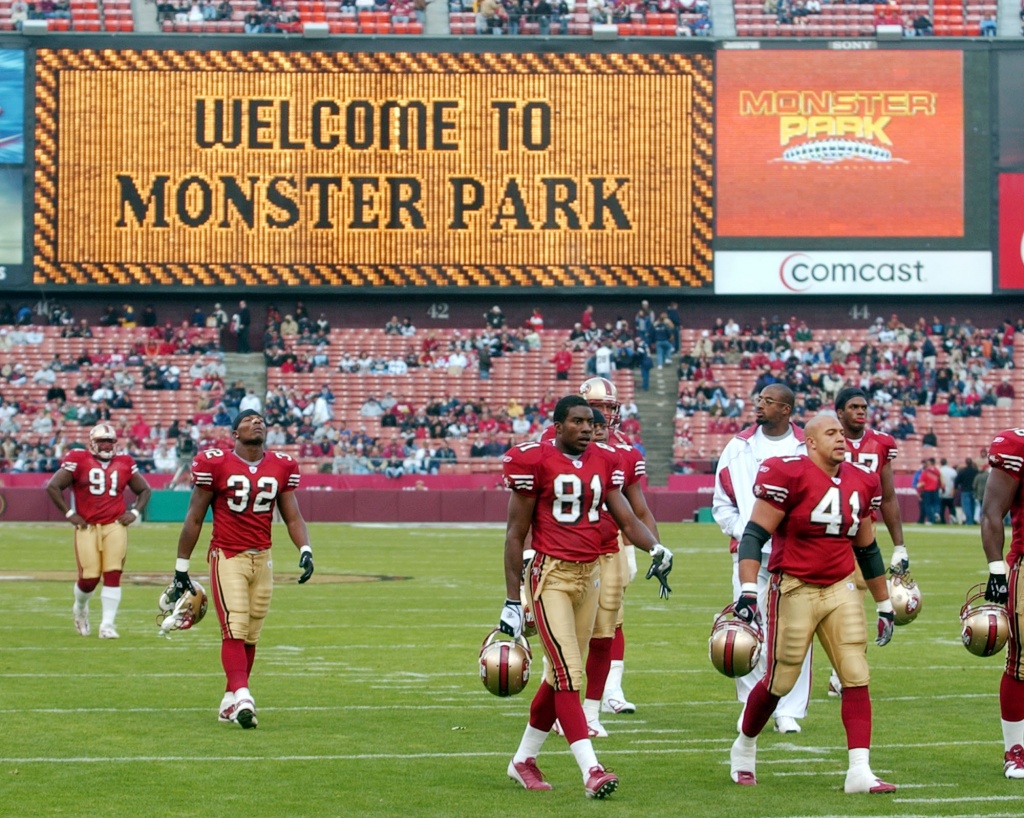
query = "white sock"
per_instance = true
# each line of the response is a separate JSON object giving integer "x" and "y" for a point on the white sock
{"x": 530, "y": 745}
{"x": 860, "y": 759}
{"x": 1013, "y": 733}
{"x": 82, "y": 598}
{"x": 613, "y": 685}
{"x": 110, "y": 598}
{"x": 586, "y": 758}
{"x": 747, "y": 742}
{"x": 592, "y": 709}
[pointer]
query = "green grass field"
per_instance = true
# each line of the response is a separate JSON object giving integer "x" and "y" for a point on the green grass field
{"x": 370, "y": 702}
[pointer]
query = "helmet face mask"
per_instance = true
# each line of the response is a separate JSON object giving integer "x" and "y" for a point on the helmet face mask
{"x": 102, "y": 434}
{"x": 183, "y": 613}
{"x": 603, "y": 395}
{"x": 905, "y": 597}
{"x": 505, "y": 664}
{"x": 985, "y": 626}
{"x": 734, "y": 645}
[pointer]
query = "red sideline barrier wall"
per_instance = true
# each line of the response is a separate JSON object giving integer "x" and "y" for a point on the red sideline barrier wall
{"x": 392, "y": 504}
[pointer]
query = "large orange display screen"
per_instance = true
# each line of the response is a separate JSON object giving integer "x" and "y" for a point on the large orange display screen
{"x": 270, "y": 168}
{"x": 840, "y": 144}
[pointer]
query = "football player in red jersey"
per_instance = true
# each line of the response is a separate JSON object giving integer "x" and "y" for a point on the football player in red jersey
{"x": 813, "y": 507}
{"x": 1004, "y": 495}
{"x": 876, "y": 451}
{"x": 243, "y": 486}
{"x": 98, "y": 477}
{"x": 605, "y": 658}
{"x": 557, "y": 492}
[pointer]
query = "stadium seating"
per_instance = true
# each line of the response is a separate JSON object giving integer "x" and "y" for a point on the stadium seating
{"x": 525, "y": 376}
{"x": 958, "y": 438}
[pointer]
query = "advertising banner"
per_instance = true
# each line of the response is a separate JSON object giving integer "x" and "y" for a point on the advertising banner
{"x": 369, "y": 169}
{"x": 1011, "y": 231}
{"x": 895, "y": 273}
{"x": 840, "y": 144}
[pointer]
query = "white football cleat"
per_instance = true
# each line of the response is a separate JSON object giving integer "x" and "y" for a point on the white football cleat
{"x": 616, "y": 703}
{"x": 227, "y": 708}
{"x": 81, "y": 620}
{"x": 862, "y": 779}
{"x": 786, "y": 724}
{"x": 108, "y": 632}
{"x": 245, "y": 709}
{"x": 743, "y": 762}
{"x": 1013, "y": 762}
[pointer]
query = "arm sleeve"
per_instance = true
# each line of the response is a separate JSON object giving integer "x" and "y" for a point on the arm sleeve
{"x": 724, "y": 508}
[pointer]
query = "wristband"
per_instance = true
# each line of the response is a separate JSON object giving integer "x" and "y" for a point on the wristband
{"x": 181, "y": 564}
{"x": 997, "y": 567}
{"x": 305, "y": 549}
{"x": 135, "y": 513}
{"x": 748, "y": 587}
{"x": 884, "y": 606}
{"x": 69, "y": 513}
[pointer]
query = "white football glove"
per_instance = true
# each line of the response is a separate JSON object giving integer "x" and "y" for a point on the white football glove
{"x": 900, "y": 562}
{"x": 511, "y": 621}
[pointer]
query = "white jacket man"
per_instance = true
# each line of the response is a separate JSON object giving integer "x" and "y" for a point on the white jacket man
{"x": 773, "y": 436}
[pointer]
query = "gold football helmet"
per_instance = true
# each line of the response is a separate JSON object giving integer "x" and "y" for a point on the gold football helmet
{"x": 505, "y": 664}
{"x": 184, "y": 612}
{"x": 985, "y": 626}
{"x": 905, "y": 597}
{"x": 102, "y": 433}
{"x": 734, "y": 645}
{"x": 601, "y": 394}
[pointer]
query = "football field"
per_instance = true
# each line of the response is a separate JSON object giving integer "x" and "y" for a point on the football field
{"x": 370, "y": 703}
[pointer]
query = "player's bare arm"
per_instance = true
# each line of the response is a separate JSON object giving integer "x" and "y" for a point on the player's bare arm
{"x": 764, "y": 519}
{"x": 636, "y": 532}
{"x": 635, "y": 496}
{"x": 520, "y": 517}
{"x": 198, "y": 505}
{"x": 1000, "y": 491}
{"x": 891, "y": 513}
{"x": 142, "y": 492}
{"x": 59, "y": 483}
{"x": 288, "y": 505}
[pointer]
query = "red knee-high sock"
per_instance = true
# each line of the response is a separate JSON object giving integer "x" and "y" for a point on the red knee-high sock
{"x": 618, "y": 645}
{"x": 857, "y": 717}
{"x": 250, "y": 657}
{"x": 112, "y": 579}
{"x": 760, "y": 706}
{"x": 542, "y": 708}
{"x": 233, "y": 658}
{"x": 1011, "y": 699}
{"x": 87, "y": 586}
{"x": 570, "y": 715}
{"x": 599, "y": 662}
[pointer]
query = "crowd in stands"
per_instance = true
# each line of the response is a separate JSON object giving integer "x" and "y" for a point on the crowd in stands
{"x": 911, "y": 373}
{"x": 689, "y": 17}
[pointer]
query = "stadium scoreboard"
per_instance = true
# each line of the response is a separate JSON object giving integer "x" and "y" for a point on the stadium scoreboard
{"x": 223, "y": 168}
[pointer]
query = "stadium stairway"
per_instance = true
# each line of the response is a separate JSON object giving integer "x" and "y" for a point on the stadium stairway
{"x": 249, "y": 367}
{"x": 657, "y": 416}
{"x": 723, "y": 18}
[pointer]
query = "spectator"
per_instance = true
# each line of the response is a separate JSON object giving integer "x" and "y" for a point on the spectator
{"x": 987, "y": 26}
{"x": 495, "y": 318}
{"x": 964, "y": 486}
{"x": 929, "y": 484}
{"x": 1004, "y": 392}
{"x": 929, "y": 438}
{"x": 947, "y": 493}
{"x": 563, "y": 362}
